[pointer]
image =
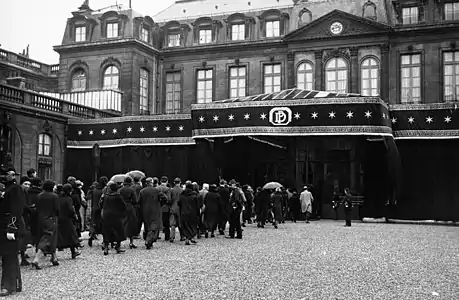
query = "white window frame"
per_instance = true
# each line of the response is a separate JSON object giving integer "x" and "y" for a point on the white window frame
{"x": 111, "y": 78}
{"x": 204, "y": 86}
{"x": 451, "y": 11}
{"x": 173, "y": 40}
{"x": 410, "y": 85}
{"x": 79, "y": 80}
{"x": 44, "y": 144}
{"x": 238, "y": 81}
{"x": 272, "y": 78}
{"x": 451, "y": 76}
{"x": 112, "y": 29}
{"x": 305, "y": 76}
{"x": 272, "y": 28}
{"x": 369, "y": 75}
{"x": 80, "y": 33}
{"x": 144, "y": 34}
{"x": 410, "y": 15}
{"x": 144, "y": 103}
{"x": 205, "y": 36}
{"x": 173, "y": 92}
{"x": 238, "y": 32}
{"x": 336, "y": 76}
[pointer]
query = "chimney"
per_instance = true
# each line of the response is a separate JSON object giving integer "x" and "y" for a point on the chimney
{"x": 85, "y": 5}
{"x": 27, "y": 51}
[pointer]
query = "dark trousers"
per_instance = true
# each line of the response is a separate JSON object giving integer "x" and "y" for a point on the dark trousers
{"x": 11, "y": 273}
{"x": 235, "y": 223}
{"x": 348, "y": 217}
{"x": 166, "y": 225}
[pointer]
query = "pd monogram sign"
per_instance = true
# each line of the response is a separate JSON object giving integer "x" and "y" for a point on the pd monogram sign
{"x": 280, "y": 116}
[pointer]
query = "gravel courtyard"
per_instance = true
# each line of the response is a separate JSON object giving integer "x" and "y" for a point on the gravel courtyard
{"x": 320, "y": 260}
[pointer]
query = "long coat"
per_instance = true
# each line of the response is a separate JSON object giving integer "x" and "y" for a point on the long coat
{"x": 225, "y": 207}
{"x": 48, "y": 214}
{"x": 150, "y": 208}
{"x": 277, "y": 199}
{"x": 262, "y": 199}
{"x": 176, "y": 191}
{"x": 306, "y": 201}
{"x": 11, "y": 207}
{"x": 32, "y": 194}
{"x": 132, "y": 219}
{"x": 212, "y": 208}
{"x": 189, "y": 212}
{"x": 113, "y": 214}
{"x": 96, "y": 218}
{"x": 67, "y": 235}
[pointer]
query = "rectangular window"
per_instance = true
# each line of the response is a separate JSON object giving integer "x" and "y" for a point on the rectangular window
{"x": 272, "y": 78}
{"x": 272, "y": 28}
{"x": 238, "y": 32}
{"x": 80, "y": 33}
{"x": 451, "y": 11}
{"x": 173, "y": 93}
{"x": 204, "y": 86}
{"x": 112, "y": 30}
{"x": 44, "y": 171}
{"x": 451, "y": 76}
{"x": 412, "y": 15}
{"x": 205, "y": 36}
{"x": 411, "y": 78}
{"x": 145, "y": 34}
{"x": 173, "y": 40}
{"x": 237, "y": 82}
{"x": 144, "y": 92}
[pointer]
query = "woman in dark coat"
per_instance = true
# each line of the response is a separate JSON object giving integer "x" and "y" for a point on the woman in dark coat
{"x": 131, "y": 222}
{"x": 32, "y": 194}
{"x": 262, "y": 205}
{"x": 48, "y": 213}
{"x": 294, "y": 206}
{"x": 276, "y": 200}
{"x": 151, "y": 212}
{"x": 211, "y": 210}
{"x": 113, "y": 214}
{"x": 67, "y": 234}
{"x": 189, "y": 212}
{"x": 96, "y": 219}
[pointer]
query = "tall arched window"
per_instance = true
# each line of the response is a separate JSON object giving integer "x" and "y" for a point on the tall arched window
{"x": 79, "y": 80}
{"x": 44, "y": 144}
{"x": 336, "y": 71}
{"x": 369, "y": 74}
{"x": 305, "y": 76}
{"x": 111, "y": 78}
{"x": 144, "y": 92}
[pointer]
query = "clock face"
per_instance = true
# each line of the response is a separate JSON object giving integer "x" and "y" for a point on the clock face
{"x": 336, "y": 28}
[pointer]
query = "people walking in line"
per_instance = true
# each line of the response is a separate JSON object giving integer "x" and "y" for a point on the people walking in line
{"x": 96, "y": 218}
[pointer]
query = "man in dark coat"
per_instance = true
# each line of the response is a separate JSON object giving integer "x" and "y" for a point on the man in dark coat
{"x": 67, "y": 235}
{"x": 189, "y": 212}
{"x": 225, "y": 207}
{"x": 165, "y": 195}
{"x": 48, "y": 214}
{"x": 150, "y": 208}
{"x": 347, "y": 203}
{"x": 138, "y": 187}
{"x": 32, "y": 193}
{"x": 96, "y": 219}
{"x": 11, "y": 209}
{"x": 262, "y": 206}
{"x": 237, "y": 203}
{"x": 132, "y": 219}
{"x": 113, "y": 214}
{"x": 248, "y": 206}
{"x": 211, "y": 210}
{"x": 27, "y": 238}
{"x": 174, "y": 216}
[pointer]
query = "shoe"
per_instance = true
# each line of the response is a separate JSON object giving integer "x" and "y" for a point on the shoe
{"x": 5, "y": 292}
{"x": 239, "y": 237}
{"x": 35, "y": 266}
{"x": 75, "y": 254}
{"x": 106, "y": 251}
{"x": 18, "y": 289}
{"x": 193, "y": 241}
{"x": 26, "y": 256}
{"x": 171, "y": 240}
{"x": 206, "y": 235}
{"x": 187, "y": 242}
{"x": 120, "y": 250}
{"x": 221, "y": 232}
{"x": 132, "y": 246}
{"x": 199, "y": 236}
{"x": 182, "y": 239}
{"x": 148, "y": 246}
{"x": 90, "y": 242}
{"x": 275, "y": 226}
{"x": 24, "y": 263}
{"x": 54, "y": 262}
{"x": 243, "y": 225}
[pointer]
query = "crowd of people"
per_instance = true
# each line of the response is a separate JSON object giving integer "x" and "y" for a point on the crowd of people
{"x": 51, "y": 217}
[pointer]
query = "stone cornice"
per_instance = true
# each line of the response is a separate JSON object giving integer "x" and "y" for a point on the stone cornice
{"x": 98, "y": 44}
{"x": 27, "y": 110}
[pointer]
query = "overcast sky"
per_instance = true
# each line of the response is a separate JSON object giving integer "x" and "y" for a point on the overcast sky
{"x": 41, "y": 23}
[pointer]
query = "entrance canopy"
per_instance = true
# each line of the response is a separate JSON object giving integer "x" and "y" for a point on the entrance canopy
{"x": 292, "y": 112}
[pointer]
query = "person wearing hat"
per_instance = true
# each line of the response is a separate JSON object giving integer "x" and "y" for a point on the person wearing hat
{"x": 132, "y": 220}
{"x": 11, "y": 209}
{"x": 96, "y": 219}
{"x": 174, "y": 215}
{"x": 236, "y": 205}
{"x": 225, "y": 207}
{"x": 165, "y": 196}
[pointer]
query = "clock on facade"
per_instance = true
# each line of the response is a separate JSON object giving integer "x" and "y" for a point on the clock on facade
{"x": 336, "y": 28}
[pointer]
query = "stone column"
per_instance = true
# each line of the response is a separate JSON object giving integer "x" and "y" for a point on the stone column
{"x": 354, "y": 51}
{"x": 318, "y": 70}
{"x": 291, "y": 70}
{"x": 384, "y": 73}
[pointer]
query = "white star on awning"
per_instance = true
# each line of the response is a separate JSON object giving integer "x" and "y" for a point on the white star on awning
{"x": 332, "y": 115}
{"x": 368, "y": 114}
{"x": 215, "y": 118}
{"x": 114, "y": 130}
{"x": 297, "y": 116}
{"x": 231, "y": 117}
{"x": 429, "y": 119}
{"x": 247, "y": 116}
{"x": 350, "y": 114}
{"x": 263, "y": 116}
{"x": 314, "y": 115}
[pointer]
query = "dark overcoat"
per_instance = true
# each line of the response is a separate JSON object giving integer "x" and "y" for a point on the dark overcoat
{"x": 131, "y": 223}
{"x": 67, "y": 234}
{"x": 150, "y": 207}
{"x": 189, "y": 212}
{"x": 48, "y": 214}
{"x": 212, "y": 209}
{"x": 225, "y": 206}
{"x": 262, "y": 199}
{"x": 11, "y": 208}
{"x": 276, "y": 200}
{"x": 32, "y": 194}
{"x": 96, "y": 218}
{"x": 113, "y": 214}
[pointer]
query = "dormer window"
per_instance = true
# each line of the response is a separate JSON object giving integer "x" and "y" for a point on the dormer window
{"x": 80, "y": 33}
{"x": 409, "y": 12}
{"x": 205, "y": 36}
{"x": 273, "y": 23}
{"x": 173, "y": 40}
{"x": 451, "y": 11}
{"x": 272, "y": 29}
{"x": 238, "y": 32}
{"x": 112, "y": 30}
{"x": 144, "y": 34}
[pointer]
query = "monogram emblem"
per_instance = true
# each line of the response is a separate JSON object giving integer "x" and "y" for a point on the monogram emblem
{"x": 280, "y": 116}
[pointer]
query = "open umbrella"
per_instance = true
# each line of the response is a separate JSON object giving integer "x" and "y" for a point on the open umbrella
{"x": 272, "y": 185}
{"x": 136, "y": 174}
{"x": 118, "y": 178}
